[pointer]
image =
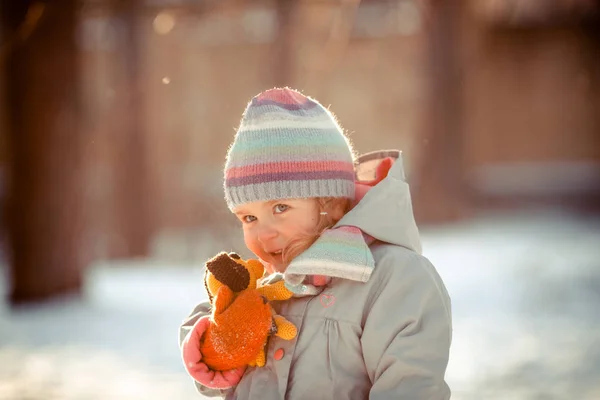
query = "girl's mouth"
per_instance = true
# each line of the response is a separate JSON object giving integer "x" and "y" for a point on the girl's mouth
{"x": 276, "y": 254}
{"x": 275, "y": 260}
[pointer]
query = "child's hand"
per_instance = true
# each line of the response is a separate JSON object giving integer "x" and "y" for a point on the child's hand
{"x": 192, "y": 360}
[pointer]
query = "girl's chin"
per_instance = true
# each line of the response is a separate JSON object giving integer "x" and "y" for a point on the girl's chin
{"x": 280, "y": 267}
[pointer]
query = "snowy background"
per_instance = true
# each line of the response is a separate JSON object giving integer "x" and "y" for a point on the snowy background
{"x": 526, "y": 304}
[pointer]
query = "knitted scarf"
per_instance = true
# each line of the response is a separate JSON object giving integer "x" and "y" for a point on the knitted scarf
{"x": 340, "y": 252}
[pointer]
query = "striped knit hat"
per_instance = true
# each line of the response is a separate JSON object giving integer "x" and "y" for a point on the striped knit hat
{"x": 287, "y": 146}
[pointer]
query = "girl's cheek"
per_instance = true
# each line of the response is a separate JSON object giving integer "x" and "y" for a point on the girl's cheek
{"x": 249, "y": 240}
{"x": 249, "y": 233}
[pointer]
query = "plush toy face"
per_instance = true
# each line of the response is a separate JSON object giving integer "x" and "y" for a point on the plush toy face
{"x": 232, "y": 271}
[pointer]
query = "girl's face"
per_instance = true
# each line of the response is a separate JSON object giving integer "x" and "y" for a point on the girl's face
{"x": 270, "y": 225}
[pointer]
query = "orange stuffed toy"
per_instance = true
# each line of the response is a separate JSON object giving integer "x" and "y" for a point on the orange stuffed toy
{"x": 242, "y": 318}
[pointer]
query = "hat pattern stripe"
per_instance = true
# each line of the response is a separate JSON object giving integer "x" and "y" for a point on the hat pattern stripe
{"x": 257, "y": 125}
{"x": 260, "y": 156}
{"x": 307, "y": 105}
{"x": 275, "y": 112}
{"x": 278, "y": 140}
{"x": 301, "y": 135}
{"x": 297, "y": 166}
{"x": 239, "y": 195}
{"x": 290, "y": 176}
{"x": 282, "y": 95}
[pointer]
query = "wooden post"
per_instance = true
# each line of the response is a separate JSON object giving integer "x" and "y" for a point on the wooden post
{"x": 132, "y": 199}
{"x": 45, "y": 202}
{"x": 438, "y": 182}
{"x": 281, "y": 67}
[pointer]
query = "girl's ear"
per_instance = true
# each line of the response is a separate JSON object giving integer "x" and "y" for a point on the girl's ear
{"x": 338, "y": 211}
{"x": 335, "y": 208}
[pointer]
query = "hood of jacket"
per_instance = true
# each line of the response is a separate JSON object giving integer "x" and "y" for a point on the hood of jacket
{"x": 385, "y": 211}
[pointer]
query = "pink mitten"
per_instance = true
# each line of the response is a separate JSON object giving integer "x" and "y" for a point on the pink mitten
{"x": 192, "y": 360}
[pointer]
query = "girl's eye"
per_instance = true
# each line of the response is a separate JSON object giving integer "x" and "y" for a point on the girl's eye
{"x": 248, "y": 218}
{"x": 279, "y": 208}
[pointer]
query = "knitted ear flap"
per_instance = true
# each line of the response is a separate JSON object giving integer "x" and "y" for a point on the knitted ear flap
{"x": 228, "y": 272}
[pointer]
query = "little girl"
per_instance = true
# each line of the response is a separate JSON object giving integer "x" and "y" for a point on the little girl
{"x": 373, "y": 315}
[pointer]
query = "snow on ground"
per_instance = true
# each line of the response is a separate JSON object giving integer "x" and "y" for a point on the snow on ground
{"x": 119, "y": 342}
{"x": 525, "y": 305}
{"x": 525, "y": 290}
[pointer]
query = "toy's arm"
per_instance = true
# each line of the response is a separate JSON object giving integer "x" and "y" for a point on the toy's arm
{"x": 222, "y": 300}
{"x": 285, "y": 329}
{"x": 275, "y": 291}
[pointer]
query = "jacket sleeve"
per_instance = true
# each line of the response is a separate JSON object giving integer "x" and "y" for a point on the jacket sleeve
{"x": 200, "y": 310}
{"x": 407, "y": 331}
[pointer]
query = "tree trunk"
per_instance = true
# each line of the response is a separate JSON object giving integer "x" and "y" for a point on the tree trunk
{"x": 45, "y": 202}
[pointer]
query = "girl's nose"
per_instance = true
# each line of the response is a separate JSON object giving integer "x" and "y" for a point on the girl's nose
{"x": 266, "y": 233}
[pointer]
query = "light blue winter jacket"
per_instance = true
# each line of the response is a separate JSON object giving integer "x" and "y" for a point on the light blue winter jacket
{"x": 388, "y": 338}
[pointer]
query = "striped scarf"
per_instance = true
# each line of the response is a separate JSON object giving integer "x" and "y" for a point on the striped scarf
{"x": 340, "y": 252}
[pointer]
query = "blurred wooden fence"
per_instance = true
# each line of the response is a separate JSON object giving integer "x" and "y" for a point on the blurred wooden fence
{"x": 119, "y": 113}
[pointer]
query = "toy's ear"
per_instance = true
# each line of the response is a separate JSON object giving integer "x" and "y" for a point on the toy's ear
{"x": 256, "y": 267}
{"x": 223, "y": 299}
{"x": 227, "y": 271}
{"x": 211, "y": 284}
